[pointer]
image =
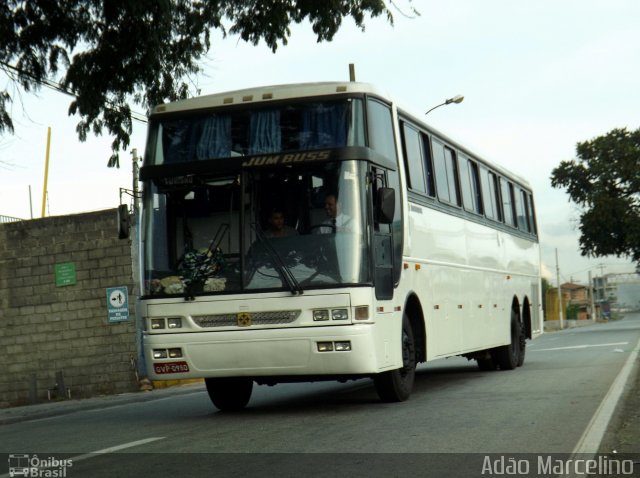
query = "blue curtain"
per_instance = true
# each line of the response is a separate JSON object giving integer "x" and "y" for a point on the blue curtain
{"x": 324, "y": 126}
{"x": 197, "y": 139}
{"x": 265, "y": 135}
{"x": 214, "y": 140}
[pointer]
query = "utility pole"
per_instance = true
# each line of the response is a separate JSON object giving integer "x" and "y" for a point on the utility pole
{"x": 136, "y": 174}
{"x": 560, "y": 314}
{"x": 46, "y": 172}
{"x": 30, "y": 202}
{"x": 593, "y": 305}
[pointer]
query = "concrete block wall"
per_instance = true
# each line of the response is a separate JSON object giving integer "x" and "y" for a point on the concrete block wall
{"x": 47, "y": 328}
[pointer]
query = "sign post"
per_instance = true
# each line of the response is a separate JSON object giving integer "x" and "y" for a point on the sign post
{"x": 118, "y": 304}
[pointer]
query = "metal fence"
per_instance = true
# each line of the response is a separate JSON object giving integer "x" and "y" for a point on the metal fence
{"x": 4, "y": 219}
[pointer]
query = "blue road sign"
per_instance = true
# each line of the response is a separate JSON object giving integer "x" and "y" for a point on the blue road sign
{"x": 118, "y": 304}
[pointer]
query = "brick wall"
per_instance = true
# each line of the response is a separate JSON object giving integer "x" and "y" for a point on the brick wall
{"x": 47, "y": 327}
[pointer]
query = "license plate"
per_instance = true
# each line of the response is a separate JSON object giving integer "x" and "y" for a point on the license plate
{"x": 171, "y": 367}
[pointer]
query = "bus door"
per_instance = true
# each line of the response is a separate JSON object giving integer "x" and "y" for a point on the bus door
{"x": 383, "y": 199}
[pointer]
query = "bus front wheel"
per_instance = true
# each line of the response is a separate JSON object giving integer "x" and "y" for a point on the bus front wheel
{"x": 229, "y": 393}
{"x": 396, "y": 385}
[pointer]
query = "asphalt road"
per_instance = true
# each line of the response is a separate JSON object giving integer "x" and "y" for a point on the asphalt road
{"x": 551, "y": 405}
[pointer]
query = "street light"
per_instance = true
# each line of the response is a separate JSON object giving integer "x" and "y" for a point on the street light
{"x": 455, "y": 99}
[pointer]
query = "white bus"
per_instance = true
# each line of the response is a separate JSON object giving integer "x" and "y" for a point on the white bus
{"x": 317, "y": 232}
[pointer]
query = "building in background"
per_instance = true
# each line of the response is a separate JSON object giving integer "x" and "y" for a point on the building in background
{"x": 620, "y": 291}
{"x": 576, "y": 302}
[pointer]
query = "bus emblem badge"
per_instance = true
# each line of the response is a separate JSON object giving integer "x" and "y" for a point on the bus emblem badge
{"x": 244, "y": 319}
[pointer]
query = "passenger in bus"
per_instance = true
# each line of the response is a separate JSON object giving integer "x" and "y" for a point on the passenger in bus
{"x": 336, "y": 221}
{"x": 277, "y": 227}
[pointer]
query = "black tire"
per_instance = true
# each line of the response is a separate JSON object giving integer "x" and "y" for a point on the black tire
{"x": 523, "y": 345}
{"x": 487, "y": 364}
{"x": 397, "y": 385}
{"x": 229, "y": 393}
{"x": 507, "y": 356}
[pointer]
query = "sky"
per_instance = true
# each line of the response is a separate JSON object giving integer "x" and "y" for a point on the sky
{"x": 537, "y": 77}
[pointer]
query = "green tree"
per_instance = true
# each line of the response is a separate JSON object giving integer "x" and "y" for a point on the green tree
{"x": 545, "y": 287}
{"x": 110, "y": 54}
{"x": 604, "y": 181}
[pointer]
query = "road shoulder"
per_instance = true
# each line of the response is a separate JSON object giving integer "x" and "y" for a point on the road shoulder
{"x": 623, "y": 432}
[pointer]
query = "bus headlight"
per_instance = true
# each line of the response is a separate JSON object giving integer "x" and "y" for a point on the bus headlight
{"x": 342, "y": 346}
{"x": 157, "y": 324}
{"x": 160, "y": 353}
{"x": 321, "y": 314}
{"x": 174, "y": 322}
{"x": 339, "y": 314}
{"x": 325, "y": 346}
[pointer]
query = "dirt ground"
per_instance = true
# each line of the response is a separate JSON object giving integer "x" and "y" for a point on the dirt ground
{"x": 623, "y": 434}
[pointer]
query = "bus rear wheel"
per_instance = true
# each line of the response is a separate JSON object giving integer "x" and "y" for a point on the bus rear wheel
{"x": 396, "y": 385}
{"x": 229, "y": 393}
{"x": 509, "y": 356}
{"x": 523, "y": 346}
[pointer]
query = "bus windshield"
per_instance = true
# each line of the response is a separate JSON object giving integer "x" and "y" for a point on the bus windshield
{"x": 288, "y": 227}
{"x": 247, "y": 130}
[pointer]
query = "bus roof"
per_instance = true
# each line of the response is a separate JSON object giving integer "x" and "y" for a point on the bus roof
{"x": 268, "y": 93}
{"x": 304, "y": 90}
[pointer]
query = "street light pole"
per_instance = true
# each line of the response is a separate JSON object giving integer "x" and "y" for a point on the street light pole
{"x": 560, "y": 311}
{"x": 456, "y": 99}
{"x": 592, "y": 301}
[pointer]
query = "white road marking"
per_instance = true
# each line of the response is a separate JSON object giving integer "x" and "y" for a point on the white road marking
{"x": 581, "y": 346}
{"x": 113, "y": 449}
{"x": 592, "y": 436}
{"x": 96, "y": 453}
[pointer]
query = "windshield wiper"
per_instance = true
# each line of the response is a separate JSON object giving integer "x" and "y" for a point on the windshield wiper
{"x": 282, "y": 269}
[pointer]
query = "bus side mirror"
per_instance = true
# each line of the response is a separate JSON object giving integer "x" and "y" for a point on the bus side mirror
{"x": 386, "y": 205}
{"x": 124, "y": 221}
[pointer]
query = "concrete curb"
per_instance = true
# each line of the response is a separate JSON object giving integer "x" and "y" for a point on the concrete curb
{"x": 66, "y": 407}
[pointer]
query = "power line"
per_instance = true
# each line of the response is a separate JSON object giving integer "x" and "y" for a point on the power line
{"x": 599, "y": 266}
{"x": 61, "y": 89}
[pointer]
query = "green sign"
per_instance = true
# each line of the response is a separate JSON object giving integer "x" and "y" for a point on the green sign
{"x": 65, "y": 274}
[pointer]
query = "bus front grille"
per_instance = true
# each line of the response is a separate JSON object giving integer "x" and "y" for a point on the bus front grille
{"x": 243, "y": 319}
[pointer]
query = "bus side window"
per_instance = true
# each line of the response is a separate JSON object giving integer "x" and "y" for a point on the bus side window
{"x": 532, "y": 214}
{"x": 489, "y": 205}
{"x": 495, "y": 195}
{"x": 490, "y": 194}
{"x": 428, "y": 165}
{"x": 413, "y": 158}
{"x": 380, "y": 128}
{"x": 470, "y": 185}
{"x": 521, "y": 208}
{"x": 445, "y": 180}
{"x": 474, "y": 177}
{"x": 451, "y": 164}
{"x": 506, "y": 189}
{"x": 442, "y": 187}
